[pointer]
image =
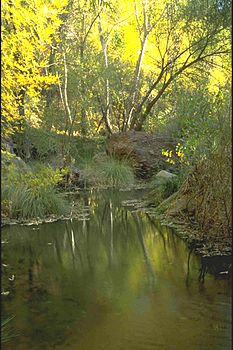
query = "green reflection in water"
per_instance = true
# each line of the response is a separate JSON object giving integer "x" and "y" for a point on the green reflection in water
{"x": 115, "y": 280}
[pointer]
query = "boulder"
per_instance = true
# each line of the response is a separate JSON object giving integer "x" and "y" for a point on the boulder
{"x": 142, "y": 149}
{"x": 165, "y": 174}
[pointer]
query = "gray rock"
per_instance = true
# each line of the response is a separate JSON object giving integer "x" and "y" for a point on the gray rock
{"x": 165, "y": 174}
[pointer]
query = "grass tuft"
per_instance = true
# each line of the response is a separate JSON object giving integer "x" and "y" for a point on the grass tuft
{"x": 116, "y": 173}
{"x": 32, "y": 194}
{"x": 105, "y": 171}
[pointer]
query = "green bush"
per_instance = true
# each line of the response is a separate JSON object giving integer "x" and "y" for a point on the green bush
{"x": 103, "y": 170}
{"x": 86, "y": 148}
{"x": 162, "y": 188}
{"x": 32, "y": 193}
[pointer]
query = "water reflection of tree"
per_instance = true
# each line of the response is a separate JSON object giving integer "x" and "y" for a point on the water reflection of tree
{"x": 187, "y": 279}
{"x": 150, "y": 270}
{"x": 74, "y": 247}
{"x": 157, "y": 228}
{"x": 111, "y": 224}
{"x": 105, "y": 224}
{"x": 58, "y": 248}
{"x": 87, "y": 230}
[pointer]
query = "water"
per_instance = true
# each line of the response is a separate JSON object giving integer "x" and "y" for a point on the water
{"x": 114, "y": 280}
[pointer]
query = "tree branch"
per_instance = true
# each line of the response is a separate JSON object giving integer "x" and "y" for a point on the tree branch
{"x": 172, "y": 77}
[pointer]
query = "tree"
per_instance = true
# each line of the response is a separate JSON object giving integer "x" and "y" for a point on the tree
{"x": 145, "y": 27}
{"x": 110, "y": 63}
{"x": 29, "y": 29}
{"x": 182, "y": 39}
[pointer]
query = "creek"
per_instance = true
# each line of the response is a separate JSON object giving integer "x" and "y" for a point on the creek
{"x": 113, "y": 279}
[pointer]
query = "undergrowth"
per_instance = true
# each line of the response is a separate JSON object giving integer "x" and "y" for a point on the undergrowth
{"x": 116, "y": 173}
{"x": 31, "y": 193}
{"x": 106, "y": 171}
{"x": 163, "y": 188}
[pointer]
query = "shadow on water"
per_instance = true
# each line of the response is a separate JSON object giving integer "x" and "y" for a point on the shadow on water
{"x": 114, "y": 279}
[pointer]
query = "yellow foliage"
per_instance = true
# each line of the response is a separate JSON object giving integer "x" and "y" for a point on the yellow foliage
{"x": 28, "y": 31}
{"x": 219, "y": 74}
{"x": 170, "y": 155}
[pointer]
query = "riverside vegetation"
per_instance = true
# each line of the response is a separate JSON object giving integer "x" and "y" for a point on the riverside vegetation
{"x": 90, "y": 69}
{"x": 64, "y": 97}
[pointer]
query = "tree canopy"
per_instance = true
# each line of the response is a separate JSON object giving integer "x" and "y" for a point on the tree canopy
{"x": 85, "y": 66}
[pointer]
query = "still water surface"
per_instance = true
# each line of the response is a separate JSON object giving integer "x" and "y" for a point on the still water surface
{"x": 113, "y": 280}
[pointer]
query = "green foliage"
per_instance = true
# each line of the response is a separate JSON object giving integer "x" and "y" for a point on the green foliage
{"x": 45, "y": 142}
{"x": 206, "y": 131}
{"x": 85, "y": 148}
{"x": 198, "y": 117}
{"x": 116, "y": 173}
{"x": 158, "y": 65}
{"x": 103, "y": 171}
{"x": 88, "y": 153}
{"x": 6, "y": 157}
{"x": 31, "y": 194}
{"x": 122, "y": 58}
{"x": 162, "y": 188}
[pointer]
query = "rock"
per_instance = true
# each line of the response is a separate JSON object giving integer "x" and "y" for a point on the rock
{"x": 142, "y": 149}
{"x": 165, "y": 174}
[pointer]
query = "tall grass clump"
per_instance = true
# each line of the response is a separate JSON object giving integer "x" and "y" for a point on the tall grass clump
{"x": 116, "y": 173}
{"x": 104, "y": 171}
{"x": 31, "y": 193}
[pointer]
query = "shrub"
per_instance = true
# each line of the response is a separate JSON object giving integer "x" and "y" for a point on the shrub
{"x": 162, "y": 188}
{"x": 32, "y": 193}
{"x": 89, "y": 172}
{"x": 86, "y": 148}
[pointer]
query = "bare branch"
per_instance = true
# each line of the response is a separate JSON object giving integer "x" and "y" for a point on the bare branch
{"x": 91, "y": 25}
{"x": 157, "y": 21}
{"x": 164, "y": 68}
{"x": 137, "y": 19}
{"x": 172, "y": 77}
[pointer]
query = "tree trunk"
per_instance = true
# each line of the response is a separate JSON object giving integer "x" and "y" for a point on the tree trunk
{"x": 132, "y": 99}
{"x": 104, "y": 46}
{"x": 82, "y": 88}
